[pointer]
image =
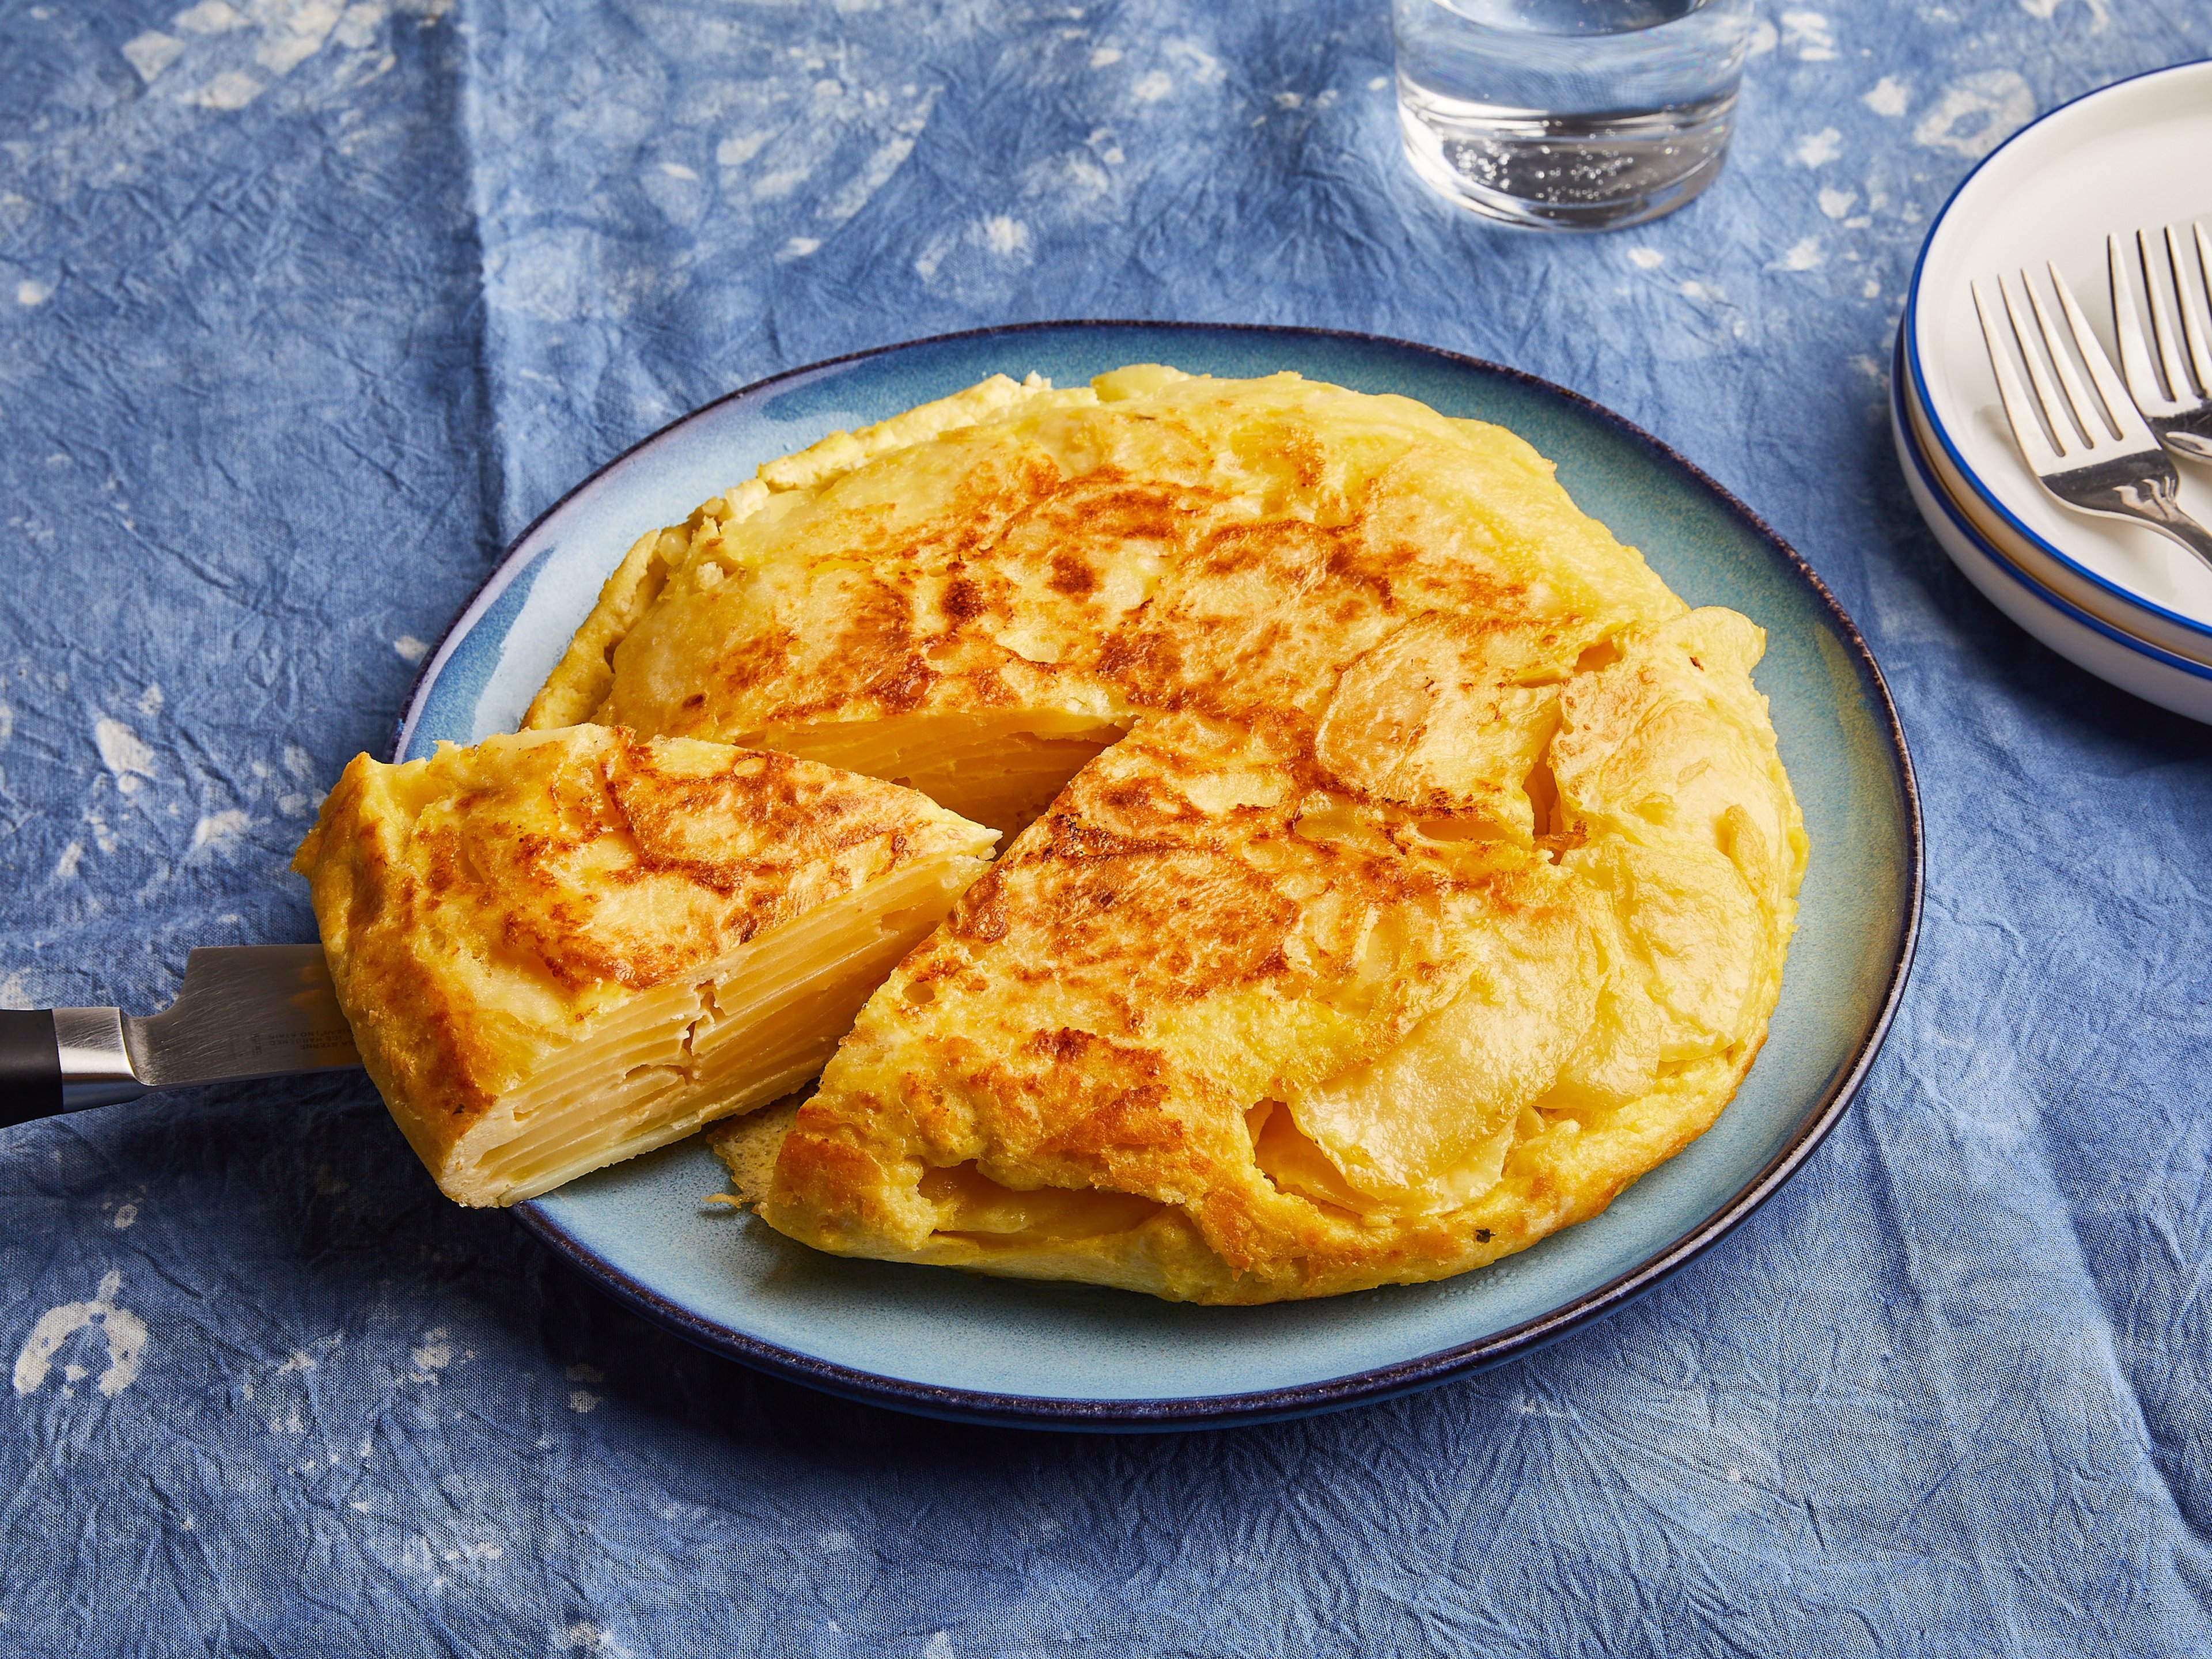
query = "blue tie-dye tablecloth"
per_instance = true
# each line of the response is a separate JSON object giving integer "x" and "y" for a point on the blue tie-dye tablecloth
{"x": 306, "y": 308}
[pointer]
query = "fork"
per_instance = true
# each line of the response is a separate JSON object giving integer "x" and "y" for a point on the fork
{"x": 2181, "y": 413}
{"x": 2097, "y": 456}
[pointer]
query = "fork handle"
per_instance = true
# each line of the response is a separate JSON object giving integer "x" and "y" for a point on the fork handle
{"x": 2164, "y": 515}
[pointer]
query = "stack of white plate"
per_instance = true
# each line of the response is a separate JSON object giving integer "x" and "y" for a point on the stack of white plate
{"x": 2122, "y": 601}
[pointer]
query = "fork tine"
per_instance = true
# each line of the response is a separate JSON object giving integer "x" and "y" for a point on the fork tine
{"x": 2134, "y": 360}
{"x": 2026, "y": 426}
{"x": 2128, "y": 424}
{"x": 2090, "y": 426}
{"x": 2162, "y": 326}
{"x": 2192, "y": 299}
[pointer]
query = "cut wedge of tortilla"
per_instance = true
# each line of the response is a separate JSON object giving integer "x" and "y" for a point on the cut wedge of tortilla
{"x": 560, "y": 949}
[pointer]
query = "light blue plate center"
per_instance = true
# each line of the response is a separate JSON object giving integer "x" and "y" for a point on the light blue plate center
{"x": 898, "y": 1331}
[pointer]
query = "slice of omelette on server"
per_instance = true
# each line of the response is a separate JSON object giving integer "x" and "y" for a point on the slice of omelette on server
{"x": 561, "y": 948}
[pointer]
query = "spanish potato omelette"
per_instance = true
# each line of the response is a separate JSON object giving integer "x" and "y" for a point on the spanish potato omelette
{"x": 1431, "y": 879}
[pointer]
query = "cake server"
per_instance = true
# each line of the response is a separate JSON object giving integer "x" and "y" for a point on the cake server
{"x": 244, "y": 1010}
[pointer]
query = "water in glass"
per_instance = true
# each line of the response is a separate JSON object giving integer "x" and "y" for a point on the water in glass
{"x": 1569, "y": 113}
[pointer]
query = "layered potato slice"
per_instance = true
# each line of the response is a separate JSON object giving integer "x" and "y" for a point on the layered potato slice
{"x": 561, "y": 948}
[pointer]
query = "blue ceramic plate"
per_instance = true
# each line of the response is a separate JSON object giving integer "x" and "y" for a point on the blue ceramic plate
{"x": 995, "y": 1350}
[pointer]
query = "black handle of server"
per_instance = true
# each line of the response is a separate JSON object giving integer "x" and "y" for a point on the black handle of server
{"x": 30, "y": 1066}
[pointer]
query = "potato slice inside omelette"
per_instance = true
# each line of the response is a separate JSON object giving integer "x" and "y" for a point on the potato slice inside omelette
{"x": 561, "y": 948}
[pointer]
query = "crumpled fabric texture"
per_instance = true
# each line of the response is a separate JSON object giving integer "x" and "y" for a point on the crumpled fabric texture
{"x": 307, "y": 307}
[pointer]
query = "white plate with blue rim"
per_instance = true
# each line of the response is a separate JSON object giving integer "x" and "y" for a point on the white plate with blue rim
{"x": 1078, "y": 1357}
{"x": 2127, "y": 157}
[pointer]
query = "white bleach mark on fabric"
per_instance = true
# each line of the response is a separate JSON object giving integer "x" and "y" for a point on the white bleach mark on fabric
{"x": 586, "y": 1637}
{"x": 1976, "y": 114}
{"x": 210, "y": 17}
{"x": 126, "y": 1333}
{"x": 222, "y": 57}
{"x": 1888, "y": 97}
{"x": 433, "y": 1356}
{"x": 2046, "y": 10}
{"x": 221, "y": 831}
{"x": 1810, "y": 35}
{"x": 357, "y": 27}
{"x": 1818, "y": 149}
{"x": 883, "y": 162}
{"x": 233, "y": 90}
{"x": 1202, "y": 66}
{"x": 123, "y": 752}
{"x": 151, "y": 52}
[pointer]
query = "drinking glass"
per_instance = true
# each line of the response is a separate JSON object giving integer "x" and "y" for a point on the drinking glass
{"x": 1569, "y": 114}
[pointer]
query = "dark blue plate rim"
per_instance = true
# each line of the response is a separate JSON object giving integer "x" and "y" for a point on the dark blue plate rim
{"x": 1379, "y": 1383}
